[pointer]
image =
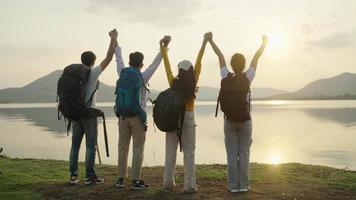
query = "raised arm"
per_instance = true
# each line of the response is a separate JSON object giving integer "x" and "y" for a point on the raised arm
{"x": 197, "y": 66}
{"x": 216, "y": 49}
{"x": 113, "y": 35}
{"x": 150, "y": 70}
{"x": 163, "y": 46}
{"x": 259, "y": 52}
{"x": 119, "y": 60}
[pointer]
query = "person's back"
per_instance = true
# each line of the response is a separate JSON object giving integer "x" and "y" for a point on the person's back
{"x": 234, "y": 97}
{"x": 185, "y": 83}
{"x": 237, "y": 120}
{"x": 88, "y": 126}
{"x": 132, "y": 116}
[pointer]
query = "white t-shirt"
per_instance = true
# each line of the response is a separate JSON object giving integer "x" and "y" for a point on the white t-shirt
{"x": 250, "y": 73}
{"x": 91, "y": 85}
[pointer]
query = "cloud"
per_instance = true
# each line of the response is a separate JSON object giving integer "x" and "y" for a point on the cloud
{"x": 334, "y": 41}
{"x": 155, "y": 12}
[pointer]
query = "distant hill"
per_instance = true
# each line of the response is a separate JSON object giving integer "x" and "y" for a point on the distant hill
{"x": 342, "y": 86}
{"x": 44, "y": 90}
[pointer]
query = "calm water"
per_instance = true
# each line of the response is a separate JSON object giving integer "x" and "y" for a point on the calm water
{"x": 311, "y": 132}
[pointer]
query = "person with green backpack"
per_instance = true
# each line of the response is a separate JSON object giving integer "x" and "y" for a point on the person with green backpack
{"x": 130, "y": 108}
{"x": 234, "y": 98}
{"x": 185, "y": 83}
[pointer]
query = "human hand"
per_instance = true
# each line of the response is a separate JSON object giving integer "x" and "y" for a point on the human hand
{"x": 165, "y": 40}
{"x": 208, "y": 36}
{"x": 264, "y": 39}
{"x": 113, "y": 34}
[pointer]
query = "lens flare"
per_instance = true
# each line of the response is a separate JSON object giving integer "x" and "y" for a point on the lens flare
{"x": 277, "y": 41}
{"x": 275, "y": 158}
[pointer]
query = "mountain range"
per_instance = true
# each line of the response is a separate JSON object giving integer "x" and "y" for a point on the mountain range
{"x": 44, "y": 90}
{"x": 342, "y": 86}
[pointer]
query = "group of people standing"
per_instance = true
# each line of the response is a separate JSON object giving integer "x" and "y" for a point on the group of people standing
{"x": 237, "y": 121}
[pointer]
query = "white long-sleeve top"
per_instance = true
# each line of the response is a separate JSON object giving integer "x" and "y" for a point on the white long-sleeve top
{"x": 146, "y": 75}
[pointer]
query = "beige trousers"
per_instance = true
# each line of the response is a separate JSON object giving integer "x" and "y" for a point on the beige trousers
{"x": 188, "y": 146}
{"x": 131, "y": 127}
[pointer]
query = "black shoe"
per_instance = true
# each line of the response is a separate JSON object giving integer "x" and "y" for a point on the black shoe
{"x": 139, "y": 185}
{"x": 191, "y": 191}
{"x": 74, "y": 180}
{"x": 120, "y": 183}
{"x": 94, "y": 181}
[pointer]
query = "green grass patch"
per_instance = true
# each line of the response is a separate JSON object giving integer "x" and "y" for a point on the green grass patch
{"x": 43, "y": 179}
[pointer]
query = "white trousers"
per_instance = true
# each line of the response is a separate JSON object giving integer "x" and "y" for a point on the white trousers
{"x": 188, "y": 147}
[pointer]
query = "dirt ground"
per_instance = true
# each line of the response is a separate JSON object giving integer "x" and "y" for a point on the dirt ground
{"x": 211, "y": 185}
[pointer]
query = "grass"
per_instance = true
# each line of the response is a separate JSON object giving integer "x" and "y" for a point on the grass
{"x": 48, "y": 179}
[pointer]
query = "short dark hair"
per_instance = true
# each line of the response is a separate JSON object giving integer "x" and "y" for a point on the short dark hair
{"x": 238, "y": 62}
{"x": 88, "y": 58}
{"x": 136, "y": 59}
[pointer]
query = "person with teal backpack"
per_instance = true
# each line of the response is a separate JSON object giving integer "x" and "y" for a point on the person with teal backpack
{"x": 128, "y": 94}
{"x": 130, "y": 106}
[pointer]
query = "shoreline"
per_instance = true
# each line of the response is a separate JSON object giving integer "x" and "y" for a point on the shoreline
{"x": 203, "y": 164}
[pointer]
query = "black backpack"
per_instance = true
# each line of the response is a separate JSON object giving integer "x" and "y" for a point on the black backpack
{"x": 232, "y": 98}
{"x": 71, "y": 97}
{"x": 168, "y": 111}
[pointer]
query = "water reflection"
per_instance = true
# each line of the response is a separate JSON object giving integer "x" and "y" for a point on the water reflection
{"x": 47, "y": 117}
{"x": 340, "y": 158}
{"x": 42, "y": 117}
{"x": 344, "y": 116}
{"x": 312, "y": 133}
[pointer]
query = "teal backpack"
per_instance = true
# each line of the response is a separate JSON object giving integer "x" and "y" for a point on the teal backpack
{"x": 128, "y": 94}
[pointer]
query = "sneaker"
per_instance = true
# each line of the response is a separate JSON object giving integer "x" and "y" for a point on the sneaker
{"x": 191, "y": 191}
{"x": 243, "y": 190}
{"x": 74, "y": 180}
{"x": 120, "y": 183}
{"x": 234, "y": 190}
{"x": 94, "y": 181}
{"x": 139, "y": 185}
{"x": 168, "y": 189}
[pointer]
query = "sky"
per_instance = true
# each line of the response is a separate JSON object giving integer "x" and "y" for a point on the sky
{"x": 309, "y": 40}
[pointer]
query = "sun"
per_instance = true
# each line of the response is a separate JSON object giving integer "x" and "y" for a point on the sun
{"x": 277, "y": 41}
{"x": 275, "y": 158}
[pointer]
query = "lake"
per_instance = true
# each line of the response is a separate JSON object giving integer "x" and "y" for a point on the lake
{"x": 310, "y": 132}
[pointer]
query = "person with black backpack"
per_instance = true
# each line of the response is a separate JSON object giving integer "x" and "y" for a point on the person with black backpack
{"x": 86, "y": 125}
{"x": 130, "y": 108}
{"x": 234, "y": 98}
{"x": 185, "y": 84}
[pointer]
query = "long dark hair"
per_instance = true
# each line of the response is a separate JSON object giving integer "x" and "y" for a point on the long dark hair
{"x": 185, "y": 83}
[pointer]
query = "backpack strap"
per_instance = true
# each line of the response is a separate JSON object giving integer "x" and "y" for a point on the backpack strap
{"x": 144, "y": 85}
{"x": 105, "y": 136}
{"x": 68, "y": 126}
{"x": 249, "y": 101}
{"x": 92, "y": 95}
{"x": 217, "y": 106}
{"x": 59, "y": 114}
{"x": 180, "y": 128}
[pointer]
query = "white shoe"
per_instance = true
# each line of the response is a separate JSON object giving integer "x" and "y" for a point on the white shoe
{"x": 234, "y": 190}
{"x": 243, "y": 190}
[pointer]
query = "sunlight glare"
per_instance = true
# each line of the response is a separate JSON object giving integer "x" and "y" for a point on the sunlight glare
{"x": 275, "y": 158}
{"x": 277, "y": 41}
